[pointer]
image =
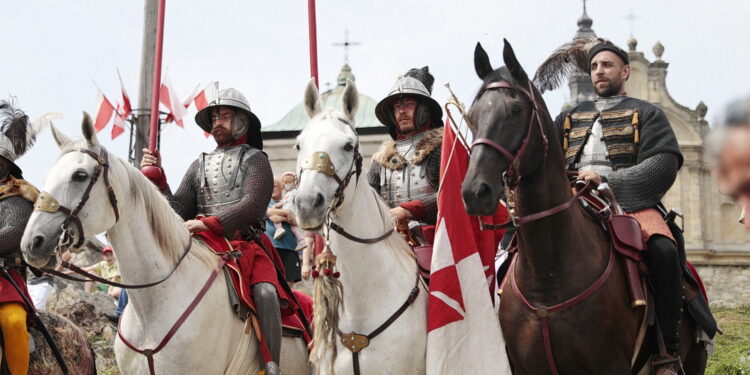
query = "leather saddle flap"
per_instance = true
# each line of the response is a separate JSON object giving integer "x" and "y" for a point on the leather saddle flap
{"x": 627, "y": 231}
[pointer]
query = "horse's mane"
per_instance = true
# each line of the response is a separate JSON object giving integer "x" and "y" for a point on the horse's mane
{"x": 163, "y": 221}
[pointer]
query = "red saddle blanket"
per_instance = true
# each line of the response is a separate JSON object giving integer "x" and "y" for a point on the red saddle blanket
{"x": 248, "y": 264}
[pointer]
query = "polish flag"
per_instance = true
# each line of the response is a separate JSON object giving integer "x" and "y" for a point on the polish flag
{"x": 464, "y": 335}
{"x": 200, "y": 98}
{"x": 126, "y": 107}
{"x": 104, "y": 111}
{"x": 168, "y": 96}
{"x": 119, "y": 126}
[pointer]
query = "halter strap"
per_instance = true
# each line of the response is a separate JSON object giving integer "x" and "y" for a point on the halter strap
{"x": 512, "y": 173}
{"x": 47, "y": 203}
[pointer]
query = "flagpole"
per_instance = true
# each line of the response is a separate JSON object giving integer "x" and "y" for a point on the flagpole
{"x": 313, "y": 41}
{"x": 150, "y": 171}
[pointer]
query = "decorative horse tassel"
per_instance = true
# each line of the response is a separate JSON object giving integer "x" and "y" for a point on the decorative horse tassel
{"x": 636, "y": 132}
{"x": 328, "y": 297}
{"x": 566, "y": 132}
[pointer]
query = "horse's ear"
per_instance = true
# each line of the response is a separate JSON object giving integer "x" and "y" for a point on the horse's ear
{"x": 61, "y": 139}
{"x": 516, "y": 70}
{"x": 482, "y": 62}
{"x": 350, "y": 100}
{"x": 89, "y": 133}
{"x": 312, "y": 101}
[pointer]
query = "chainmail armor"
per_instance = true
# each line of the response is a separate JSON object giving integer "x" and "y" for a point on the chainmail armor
{"x": 14, "y": 214}
{"x": 250, "y": 210}
{"x": 643, "y": 185}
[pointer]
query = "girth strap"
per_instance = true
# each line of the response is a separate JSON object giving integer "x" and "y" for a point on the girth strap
{"x": 149, "y": 353}
{"x": 543, "y": 312}
{"x": 356, "y": 342}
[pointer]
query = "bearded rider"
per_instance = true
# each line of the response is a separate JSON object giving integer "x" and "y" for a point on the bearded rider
{"x": 226, "y": 191}
{"x": 629, "y": 144}
{"x": 405, "y": 170}
{"x": 16, "y": 204}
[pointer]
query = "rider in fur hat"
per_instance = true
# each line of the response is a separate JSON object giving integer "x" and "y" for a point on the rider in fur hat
{"x": 17, "y": 198}
{"x": 405, "y": 170}
{"x": 226, "y": 191}
{"x": 629, "y": 144}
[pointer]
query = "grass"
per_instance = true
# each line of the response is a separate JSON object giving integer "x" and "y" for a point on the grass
{"x": 731, "y": 350}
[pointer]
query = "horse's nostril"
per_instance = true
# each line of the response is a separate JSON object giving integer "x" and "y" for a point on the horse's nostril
{"x": 319, "y": 200}
{"x": 483, "y": 190}
{"x": 37, "y": 242}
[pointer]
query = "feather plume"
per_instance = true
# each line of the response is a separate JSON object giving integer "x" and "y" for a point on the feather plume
{"x": 14, "y": 124}
{"x": 567, "y": 58}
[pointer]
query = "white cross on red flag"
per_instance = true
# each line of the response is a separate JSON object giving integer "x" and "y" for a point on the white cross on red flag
{"x": 464, "y": 335}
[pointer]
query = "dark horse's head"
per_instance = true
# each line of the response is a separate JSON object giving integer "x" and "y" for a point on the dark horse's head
{"x": 509, "y": 136}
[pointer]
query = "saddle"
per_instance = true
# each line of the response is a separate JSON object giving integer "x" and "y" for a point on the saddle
{"x": 627, "y": 240}
{"x": 236, "y": 272}
{"x": 625, "y": 233}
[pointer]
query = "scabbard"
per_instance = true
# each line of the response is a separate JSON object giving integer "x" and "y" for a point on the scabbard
{"x": 38, "y": 321}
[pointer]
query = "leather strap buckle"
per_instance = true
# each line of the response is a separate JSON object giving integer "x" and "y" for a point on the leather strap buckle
{"x": 355, "y": 342}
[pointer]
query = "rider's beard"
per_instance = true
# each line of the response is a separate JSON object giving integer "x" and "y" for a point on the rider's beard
{"x": 222, "y": 136}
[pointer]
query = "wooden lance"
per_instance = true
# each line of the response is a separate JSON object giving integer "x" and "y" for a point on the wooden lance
{"x": 153, "y": 172}
{"x": 313, "y": 41}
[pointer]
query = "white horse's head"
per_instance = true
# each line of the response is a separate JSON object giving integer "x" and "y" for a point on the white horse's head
{"x": 65, "y": 186}
{"x": 328, "y": 154}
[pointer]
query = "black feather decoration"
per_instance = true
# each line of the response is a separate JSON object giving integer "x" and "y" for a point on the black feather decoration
{"x": 422, "y": 75}
{"x": 567, "y": 58}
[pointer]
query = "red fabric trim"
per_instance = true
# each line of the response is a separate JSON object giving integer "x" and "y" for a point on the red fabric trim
{"x": 416, "y": 209}
{"x": 213, "y": 223}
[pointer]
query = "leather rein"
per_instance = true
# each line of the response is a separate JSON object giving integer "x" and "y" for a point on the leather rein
{"x": 512, "y": 174}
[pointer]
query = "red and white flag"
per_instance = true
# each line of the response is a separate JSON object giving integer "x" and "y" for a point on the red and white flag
{"x": 168, "y": 97}
{"x": 104, "y": 111}
{"x": 119, "y": 126}
{"x": 464, "y": 334}
{"x": 126, "y": 107}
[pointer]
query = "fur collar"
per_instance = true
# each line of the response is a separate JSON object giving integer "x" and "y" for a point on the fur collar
{"x": 15, "y": 187}
{"x": 389, "y": 157}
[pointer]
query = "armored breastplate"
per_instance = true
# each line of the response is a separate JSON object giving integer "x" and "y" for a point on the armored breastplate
{"x": 221, "y": 178}
{"x": 409, "y": 183}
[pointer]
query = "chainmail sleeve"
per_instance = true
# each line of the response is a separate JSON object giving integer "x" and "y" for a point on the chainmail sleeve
{"x": 258, "y": 189}
{"x": 373, "y": 176}
{"x": 14, "y": 214}
{"x": 184, "y": 201}
{"x": 643, "y": 185}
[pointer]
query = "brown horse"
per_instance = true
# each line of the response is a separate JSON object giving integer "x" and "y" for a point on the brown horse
{"x": 563, "y": 254}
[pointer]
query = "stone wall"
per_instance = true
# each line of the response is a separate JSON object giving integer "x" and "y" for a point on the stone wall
{"x": 726, "y": 285}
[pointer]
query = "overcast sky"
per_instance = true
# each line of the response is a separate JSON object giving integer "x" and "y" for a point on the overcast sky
{"x": 54, "y": 49}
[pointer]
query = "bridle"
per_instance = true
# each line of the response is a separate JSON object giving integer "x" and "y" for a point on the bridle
{"x": 512, "y": 174}
{"x": 321, "y": 162}
{"x": 47, "y": 203}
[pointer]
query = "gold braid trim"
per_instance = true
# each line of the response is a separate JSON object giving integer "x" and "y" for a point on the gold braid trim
{"x": 637, "y": 134}
{"x": 566, "y": 132}
{"x": 20, "y": 187}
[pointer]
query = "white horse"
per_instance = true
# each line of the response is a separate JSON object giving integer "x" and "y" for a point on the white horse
{"x": 148, "y": 240}
{"x": 376, "y": 279}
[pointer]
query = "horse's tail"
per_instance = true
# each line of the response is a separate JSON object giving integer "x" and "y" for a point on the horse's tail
{"x": 329, "y": 294}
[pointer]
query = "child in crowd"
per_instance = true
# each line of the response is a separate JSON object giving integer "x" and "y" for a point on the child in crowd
{"x": 288, "y": 191}
{"x": 106, "y": 269}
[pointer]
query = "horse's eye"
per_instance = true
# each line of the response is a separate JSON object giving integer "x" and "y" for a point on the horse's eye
{"x": 516, "y": 110}
{"x": 79, "y": 176}
{"x": 348, "y": 147}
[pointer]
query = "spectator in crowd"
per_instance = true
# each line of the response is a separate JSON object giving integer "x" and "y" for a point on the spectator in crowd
{"x": 106, "y": 269}
{"x": 730, "y": 155}
{"x": 285, "y": 244}
{"x": 288, "y": 191}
